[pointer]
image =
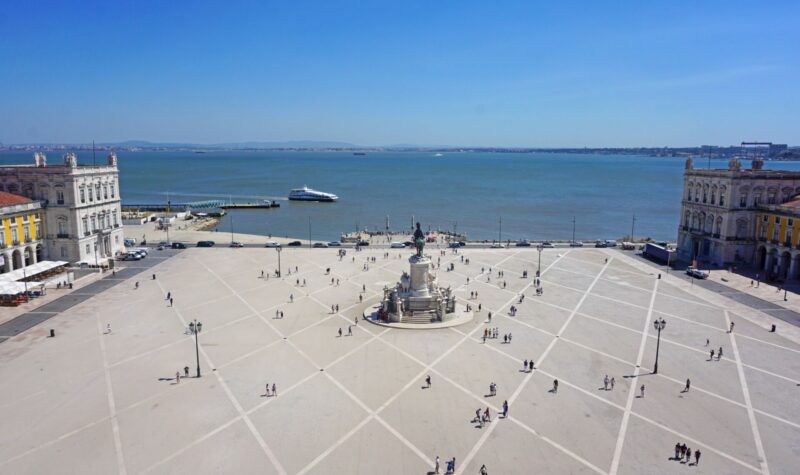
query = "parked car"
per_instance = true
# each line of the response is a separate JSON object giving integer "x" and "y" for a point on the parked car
{"x": 454, "y": 245}
{"x": 130, "y": 242}
{"x": 236, "y": 244}
{"x": 160, "y": 247}
{"x": 576, "y": 244}
{"x": 461, "y": 243}
{"x": 523, "y": 243}
{"x": 408, "y": 243}
{"x": 397, "y": 245}
{"x": 205, "y": 243}
{"x": 271, "y": 244}
{"x": 363, "y": 243}
{"x": 498, "y": 245}
{"x": 295, "y": 244}
{"x": 178, "y": 245}
{"x": 548, "y": 244}
{"x": 320, "y": 244}
{"x": 696, "y": 273}
{"x": 334, "y": 244}
{"x": 600, "y": 244}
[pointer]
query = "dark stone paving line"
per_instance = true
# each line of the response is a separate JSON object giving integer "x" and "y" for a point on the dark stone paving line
{"x": 49, "y": 310}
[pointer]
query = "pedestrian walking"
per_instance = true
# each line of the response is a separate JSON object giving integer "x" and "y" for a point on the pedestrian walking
{"x": 712, "y": 353}
{"x": 137, "y": 285}
{"x": 688, "y": 384}
{"x": 697, "y": 457}
{"x": 688, "y": 454}
{"x": 428, "y": 381}
{"x": 267, "y": 390}
{"x": 707, "y": 342}
{"x": 677, "y": 451}
{"x": 642, "y": 391}
{"x": 555, "y": 386}
{"x": 436, "y": 465}
{"x": 185, "y": 371}
{"x": 154, "y": 277}
{"x": 274, "y": 390}
{"x": 170, "y": 302}
{"x": 525, "y": 365}
{"x": 340, "y": 332}
{"x": 719, "y": 355}
{"x": 505, "y": 409}
{"x": 177, "y": 377}
{"x": 731, "y": 330}
{"x": 350, "y": 330}
{"x": 605, "y": 383}
{"x": 612, "y": 383}
{"x": 483, "y": 470}
{"x": 291, "y": 298}
{"x": 108, "y": 328}
{"x": 169, "y": 294}
{"x": 530, "y": 365}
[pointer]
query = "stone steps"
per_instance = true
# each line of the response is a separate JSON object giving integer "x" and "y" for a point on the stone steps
{"x": 419, "y": 318}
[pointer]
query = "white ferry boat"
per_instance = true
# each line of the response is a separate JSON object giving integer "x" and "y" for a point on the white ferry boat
{"x": 307, "y": 194}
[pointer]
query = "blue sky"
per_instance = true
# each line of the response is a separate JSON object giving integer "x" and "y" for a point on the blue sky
{"x": 526, "y": 73}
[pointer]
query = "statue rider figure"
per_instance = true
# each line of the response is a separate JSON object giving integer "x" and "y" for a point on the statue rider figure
{"x": 419, "y": 240}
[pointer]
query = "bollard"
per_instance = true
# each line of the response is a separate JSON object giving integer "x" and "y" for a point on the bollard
{"x": 659, "y": 276}
{"x": 53, "y": 333}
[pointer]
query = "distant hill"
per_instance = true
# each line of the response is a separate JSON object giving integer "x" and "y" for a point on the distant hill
{"x": 232, "y": 145}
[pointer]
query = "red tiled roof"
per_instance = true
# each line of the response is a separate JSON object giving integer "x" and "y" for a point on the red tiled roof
{"x": 9, "y": 199}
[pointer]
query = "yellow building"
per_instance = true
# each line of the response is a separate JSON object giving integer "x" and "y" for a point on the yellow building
{"x": 778, "y": 240}
{"x": 20, "y": 232}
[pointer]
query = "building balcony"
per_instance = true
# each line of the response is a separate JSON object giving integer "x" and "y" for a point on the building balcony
{"x": 716, "y": 235}
{"x": 15, "y": 242}
{"x": 62, "y": 236}
{"x": 87, "y": 233}
{"x": 685, "y": 228}
{"x": 28, "y": 240}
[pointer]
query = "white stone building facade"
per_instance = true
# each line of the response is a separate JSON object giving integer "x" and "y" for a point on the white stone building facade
{"x": 719, "y": 208}
{"x": 81, "y": 206}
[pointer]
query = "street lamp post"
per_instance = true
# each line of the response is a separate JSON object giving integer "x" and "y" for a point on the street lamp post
{"x": 573, "y": 230}
{"x": 539, "y": 266}
{"x": 659, "y": 324}
{"x": 279, "y": 260}
{"x": 195, "y": 327}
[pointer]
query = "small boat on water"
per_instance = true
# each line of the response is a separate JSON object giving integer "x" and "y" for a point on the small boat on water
{"x": 307, "y": 194}
{"x": 438, "y": 155}
{"x": 359, "y": 153}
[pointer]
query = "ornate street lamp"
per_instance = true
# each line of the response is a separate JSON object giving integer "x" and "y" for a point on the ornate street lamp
{"x": 539, "y": 270}
{"x": 278, "y": 249}
{"x": 196, "y": 327}
{"x": 659, "y": 325}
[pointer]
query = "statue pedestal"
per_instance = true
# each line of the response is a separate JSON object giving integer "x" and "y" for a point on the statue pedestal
{"x": 420, "y": 269}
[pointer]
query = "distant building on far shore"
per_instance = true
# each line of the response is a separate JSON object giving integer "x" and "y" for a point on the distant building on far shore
{"x": 80, "y": 205}
{"x": 725, "y": 214}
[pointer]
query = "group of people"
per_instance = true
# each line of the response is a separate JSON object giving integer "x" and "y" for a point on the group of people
{"x": 684, "y": 454}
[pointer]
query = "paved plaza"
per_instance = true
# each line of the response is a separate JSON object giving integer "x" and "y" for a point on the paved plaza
{"x": 94, "y": 401}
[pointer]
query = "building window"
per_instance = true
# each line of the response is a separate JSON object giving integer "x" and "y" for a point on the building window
{"x": 112, "y": 190}
{"x": 85, "y": 225}
{"x": 116, "y": 239}
{"x": 722, "y": 197}
{"x": 115, "y": 218}
{"x": 743, "y": 201}
{"x": 14, "y": 236}
{"x": 713, "y": 197}
{"x": 2, "y": 238}
{"x": 94, "y": 223}
{"x": 63, "y": 252}
{"x": 105, "y": 192}
{"x": 27, "y": 232}
{"x": 756, "y": 199}
{"x": 91, "y": 196}
{"x": 13, "y": 220}
{"x": 88, "y": 249}
{"x": 83, "y": 195}
{"x": 689, "y": 195}
{"x": 38, "y": 230}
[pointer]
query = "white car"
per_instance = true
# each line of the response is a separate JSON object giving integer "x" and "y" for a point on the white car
{"x": 498, "y": 245}
{"x": 576, "y": 244}
{"x": 397, "y": 245}
{"x": 272, "y": 244}
{"x": 548, "y": 244}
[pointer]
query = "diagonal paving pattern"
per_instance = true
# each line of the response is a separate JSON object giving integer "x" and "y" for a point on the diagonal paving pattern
{"x": 355, "y": 404}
